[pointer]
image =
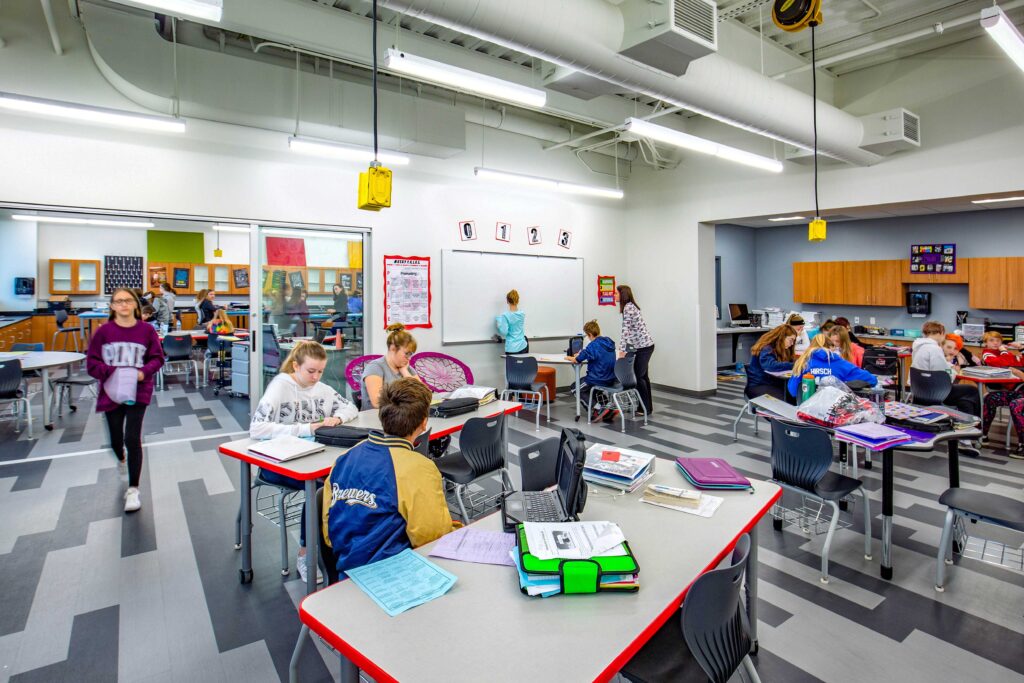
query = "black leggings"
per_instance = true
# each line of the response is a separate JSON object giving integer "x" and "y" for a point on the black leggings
{"x": 125, "y": 426}
{"x": 964, "y": 397}
{"x": 641, "y": 363}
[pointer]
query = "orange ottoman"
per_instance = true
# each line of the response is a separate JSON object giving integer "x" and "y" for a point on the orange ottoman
{"x": 546, "y": 375}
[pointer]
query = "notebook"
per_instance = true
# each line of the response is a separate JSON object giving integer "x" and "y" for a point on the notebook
{"x": 711, "y": 473}
{"x": 284, "y": 448}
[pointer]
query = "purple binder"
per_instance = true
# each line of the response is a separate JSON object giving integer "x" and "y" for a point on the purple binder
{"x": 711, "y": 473}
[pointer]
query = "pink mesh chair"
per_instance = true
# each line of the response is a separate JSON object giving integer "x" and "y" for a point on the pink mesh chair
{"x": 354, "y": 373}
{"x": 441, "y": 372}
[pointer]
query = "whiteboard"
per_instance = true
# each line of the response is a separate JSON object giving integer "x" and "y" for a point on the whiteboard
{"x": 475, "y": 283}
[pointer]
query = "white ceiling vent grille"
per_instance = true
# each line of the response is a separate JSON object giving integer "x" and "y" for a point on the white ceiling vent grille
{"x": 669, "y": 35}
{"x": 891, "y": 131}
{"x": 911, "y": 127}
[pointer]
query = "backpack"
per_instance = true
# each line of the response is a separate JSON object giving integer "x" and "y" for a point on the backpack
{"x": 883, "y": 361}
{"x": 341, "y": 436}
{"x": 450, "y": 407}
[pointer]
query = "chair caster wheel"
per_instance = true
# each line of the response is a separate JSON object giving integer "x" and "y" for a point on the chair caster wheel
{"x": 73, "y": 408}
{"x": 867, "y": 557}
{"x": 949, "y": 562}
{"x": 285, "y": 572}
{"x": 49, "y": 428}
{"x": 245, "y": 576}
{"x": 940, "y": 589}
{"x": 824, "y": 580}
{"x": 238, "y": 546}
{"x": 777, "y": 524}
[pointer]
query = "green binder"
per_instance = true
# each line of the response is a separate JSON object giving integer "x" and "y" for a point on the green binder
{"x": 579, "y": 576}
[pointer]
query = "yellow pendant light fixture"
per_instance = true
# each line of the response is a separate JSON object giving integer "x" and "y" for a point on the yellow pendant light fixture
{"x": 374, "y": 191}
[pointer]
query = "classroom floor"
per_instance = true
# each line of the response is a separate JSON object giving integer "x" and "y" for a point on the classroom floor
{"x": 90, "y": 594}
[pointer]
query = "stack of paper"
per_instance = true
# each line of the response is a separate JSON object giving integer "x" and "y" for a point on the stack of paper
{"x": 906, "y": 411}
{"x": 985, "y": 372}
{"x": 475, "y": 545}
{"x": 872, "y": 435}
{"x": 402, "y": 582}
{"x": 617, "y": 468}
{"x": 572, "y": 541}
{"x": 483, "y": 394}
{"x": 683, "y": 500}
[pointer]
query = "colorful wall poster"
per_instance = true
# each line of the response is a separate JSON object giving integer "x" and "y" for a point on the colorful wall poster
{"x": 605, "y": 290}
{"x": 286, "y": 251}
{"x": 182, "y": 276}
{"x": 407, "y": 291}
{"x": 935, "y": 259}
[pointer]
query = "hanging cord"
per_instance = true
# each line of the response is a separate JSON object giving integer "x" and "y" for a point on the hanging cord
{"x": 298, "y": 77}
{"x": 174, "y": 44}
{"x": 814, "y": 95}
{"x": 376, "y": 161}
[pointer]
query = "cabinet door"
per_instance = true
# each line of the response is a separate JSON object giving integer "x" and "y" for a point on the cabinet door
{"x": 1013, "y": 287}
{"x": 805, "y": 282}
{"x": 200, "y": 277}
{"x": 221, "y": 278}
{"x": 855, "y": 283}
{"x": 831, "y": 283}
{"x": 886, "y": 283}
{"x": 87, "y": 277}
{"x": 988, "y": 288}
{"x": 314, "y": 283}
{"x": 61, "y": 276}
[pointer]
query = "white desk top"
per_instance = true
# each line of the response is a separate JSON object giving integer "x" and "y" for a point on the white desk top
{"x": 39, "y": 360}
{"x": 442, "y": 426}
{"x": 742, "y": 330}
{"x": 489, "y": 631}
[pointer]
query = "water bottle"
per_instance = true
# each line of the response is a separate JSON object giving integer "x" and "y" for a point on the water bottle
{"x": 807, "y": 387}
{"x": 177, "y": 324}
{"x": 163, "y": 329}
{"x": 739, "y": 368}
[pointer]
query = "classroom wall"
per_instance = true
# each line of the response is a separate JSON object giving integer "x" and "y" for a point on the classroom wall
{"x": 734, "y": 245}
{"x": 976, "y": 233}
{"x": 84, "y": 242}
{"x": 17, "y": 259}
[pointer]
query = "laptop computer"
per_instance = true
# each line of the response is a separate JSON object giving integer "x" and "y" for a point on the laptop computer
{"x": 575, "y": 346}
{"x": 284, "y": 448}
{"x": 560, "y": 505}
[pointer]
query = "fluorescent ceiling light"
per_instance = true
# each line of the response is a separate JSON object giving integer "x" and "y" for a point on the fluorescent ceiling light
{"x": 462, "y": 79}
{"x": 1005, "y": 33}
{"x": 210, "y": 10}
{"x": 996, "y": 200}
{"x": 63, "y": 220}
{"x": 348, "y": 152}
{"x": 90, "y": 114}
{"x": 702, "y": 145}
{"x": 348, "y": 237}
{"x": 786, "y": 218}
{"x": 548, "y": 183}
{"x": 230, "y": 228}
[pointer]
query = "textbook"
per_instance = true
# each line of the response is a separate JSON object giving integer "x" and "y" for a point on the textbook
{"x": 985, "y": 372}
{"x": 618, "y": 468}
{"x": 483, "y": 394}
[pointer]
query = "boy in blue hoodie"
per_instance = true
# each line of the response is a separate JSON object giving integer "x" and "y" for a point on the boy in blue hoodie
{"x": 819, "y": 361}
{"x": 599, "y": 354}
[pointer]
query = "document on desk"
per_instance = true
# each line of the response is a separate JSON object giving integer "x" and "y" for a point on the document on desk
{"x": 402, "y": 582}
{"x": 476, "y": 545}
{"x": 573, "y": 540}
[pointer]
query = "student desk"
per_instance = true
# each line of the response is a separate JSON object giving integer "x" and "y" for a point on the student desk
{"x": 982, "y": 381}
{"x": 91, "y": 316}
{"x": 557, "y": 359}
{"x": 735, "y": 333}
{"x": 561, "y": 638}
{"x": 43, "y": 361}
{"x": 310, "y": 468}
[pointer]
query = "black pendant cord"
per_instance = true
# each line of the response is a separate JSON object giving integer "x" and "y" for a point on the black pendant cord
{"x": 814, "y": 96}
{"x": 375, "y": 161}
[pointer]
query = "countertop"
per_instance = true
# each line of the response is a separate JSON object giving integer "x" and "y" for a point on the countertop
{"x": 8, "y": 320}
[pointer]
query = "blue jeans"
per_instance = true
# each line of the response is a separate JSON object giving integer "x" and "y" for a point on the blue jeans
{"x": 289, "y": 483}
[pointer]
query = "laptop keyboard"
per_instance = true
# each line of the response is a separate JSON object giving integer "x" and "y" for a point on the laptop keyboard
{"x": 542, "y": 506}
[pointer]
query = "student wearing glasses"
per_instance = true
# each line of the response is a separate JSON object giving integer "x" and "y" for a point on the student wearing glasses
{"x": 126, "y": 341}
{"x": 392, "y": 366}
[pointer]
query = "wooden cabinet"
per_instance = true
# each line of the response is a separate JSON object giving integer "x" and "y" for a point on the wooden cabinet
{"x": 18, "y": 333}
{"x": 886, "y": 284}
{"x": 996, "y": 283}
{"x": 322, "y": 280}
{"x": 220, "y": 277}
{"x": 960, "y": 277}
{"x": 74, "y": 276}
{"x": 805, "y": 282}
{"x": 850, "y": 283}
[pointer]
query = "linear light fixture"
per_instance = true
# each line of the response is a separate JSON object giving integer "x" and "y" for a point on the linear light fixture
{"x": 64, "y": 220}
{"x": 786, "y": 218}
{"x": 210, "y": 10}
{"x": 348, "y": 152}
{"x": 996, "y": 200}
{"x": 1002, "y": 30}
{"x": 462, "y": 79}
{"x": 548, "y": 183}
{"x": 219, "y": 227}
{"x": 348, "y": 237}
{"x": 90, "y": 114}
{"x": 702, "y": 145}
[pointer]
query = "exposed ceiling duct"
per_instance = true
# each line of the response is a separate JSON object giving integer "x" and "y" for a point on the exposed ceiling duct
{"x": 586, "y": 35}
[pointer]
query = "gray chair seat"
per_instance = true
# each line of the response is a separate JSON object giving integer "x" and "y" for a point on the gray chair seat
{"x": 1000, "y": 510}
{"x": 454, "y": 467}
{"x": 665, "y": 657}
{"x": 77, "y": 380}
{"x": 834, "y": 486}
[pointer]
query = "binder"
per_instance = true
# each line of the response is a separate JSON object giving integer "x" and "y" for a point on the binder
{"x": 618, "y": 572}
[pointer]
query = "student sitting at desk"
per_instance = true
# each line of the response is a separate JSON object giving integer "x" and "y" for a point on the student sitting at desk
{"x": 796, "y": 321}
{"x": 773, "y": 352}
{"x": 599, "y": 354}
{"x": 820, "y": 361}
{"x": 392, "y": 366}
{"x": 956, "y": 354}
{"x": 296, "y": 403}
{"x": 220, "y": 323}
{"x": 996, "y": 354}
{"x": 839, "y": 338}
{"x": 382, "y": 497}
{"x": 844, "y": 322}
{"x": 928, "y": 355}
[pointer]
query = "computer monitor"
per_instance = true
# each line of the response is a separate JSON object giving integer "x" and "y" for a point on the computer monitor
{"x": 739, "y": 312}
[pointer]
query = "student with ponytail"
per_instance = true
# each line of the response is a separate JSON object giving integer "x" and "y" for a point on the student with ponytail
{"x": 296, "y": 403}
{"x": 512, "y": 325}
{"x": 820, "y": 361}
{"x": 393, "y": 365}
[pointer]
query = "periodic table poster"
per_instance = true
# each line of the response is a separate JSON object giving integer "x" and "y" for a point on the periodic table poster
{"x": 407, "y": 291}
{"x": 121, "y": 271}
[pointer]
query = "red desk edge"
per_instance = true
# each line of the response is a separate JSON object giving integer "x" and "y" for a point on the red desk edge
{"x": 616, "y": 664}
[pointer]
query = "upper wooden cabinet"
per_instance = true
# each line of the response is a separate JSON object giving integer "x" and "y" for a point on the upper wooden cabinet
{"x": 223, "y": 278}
{"x": 960, "y": 277}
{"x": 851, "y": 283}
{"x": 996, "y": 283}
{"x": 74, "y": 276}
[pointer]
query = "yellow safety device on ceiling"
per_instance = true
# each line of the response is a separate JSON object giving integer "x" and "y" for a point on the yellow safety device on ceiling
{"x": 816, "y": 230}
{"x": 796, "y": 15}
{"x": 375, "y": 188}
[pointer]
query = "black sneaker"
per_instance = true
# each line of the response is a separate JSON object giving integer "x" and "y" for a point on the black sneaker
{"x": 1017, "y": 454}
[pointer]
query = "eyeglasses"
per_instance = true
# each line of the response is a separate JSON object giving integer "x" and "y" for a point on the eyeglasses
{"x": 122, "y": 301}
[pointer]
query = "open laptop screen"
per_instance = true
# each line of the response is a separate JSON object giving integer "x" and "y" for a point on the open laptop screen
{"x": 570, "y": 473}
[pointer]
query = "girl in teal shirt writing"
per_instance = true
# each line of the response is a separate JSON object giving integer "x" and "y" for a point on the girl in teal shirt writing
{"x": 510, "y": 325}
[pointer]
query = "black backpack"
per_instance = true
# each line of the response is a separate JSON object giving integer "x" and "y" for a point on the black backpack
{"x": 450, "y": 407}
{"x": 341, "y": 436}
{"x": 883, "y": 361}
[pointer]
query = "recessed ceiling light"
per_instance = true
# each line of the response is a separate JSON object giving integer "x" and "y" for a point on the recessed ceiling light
{"x": 996, "y": 200}
{"x": 786, "y": 218}
{"x": 64, "y": 220}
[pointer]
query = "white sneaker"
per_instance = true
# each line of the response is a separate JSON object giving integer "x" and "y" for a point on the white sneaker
{"x": 131, "y": 500}
{"x": 300, "y": 565}
{"x": 122, "y": 467}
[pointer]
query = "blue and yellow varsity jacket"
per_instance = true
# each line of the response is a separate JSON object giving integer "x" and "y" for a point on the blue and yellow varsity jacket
{"x": 381, "y": 498}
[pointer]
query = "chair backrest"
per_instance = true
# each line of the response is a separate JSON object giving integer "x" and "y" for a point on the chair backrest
{"x": 883, "y": 361}
{"x": 10, "y": 378}
{"x": 178, "y": 347}
{"x": 422, "y": 445}
{"x": 325, "y": 557}
{"x": 520, "y": 372}
{"x": 27, "y": 346}
{"x": 801, "y": 454}
{"x": 61, "y": 315}
{"x": 714, "y": 624}
{"x": 482, "y": 445}
{"x": 538, "y": 464}
{"x": 930, "y": 387}
{"x": 441, "y": 372}
{"x": 354, "y": 371}
{"x": 624, "y": 373}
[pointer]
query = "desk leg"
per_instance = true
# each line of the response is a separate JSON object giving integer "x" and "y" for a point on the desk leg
{"x": 293, "y": 664}
{"x": 576, "y": 369}
{"x": 953, "y": 447}
{"x": 751, "y": 581}
{"x": 245, "y": 488}
{"x": 47, "y": 418}
{"x": 887, "y": 483}
{"x": 349, "y": 671}
{"x": 312, "y": 536}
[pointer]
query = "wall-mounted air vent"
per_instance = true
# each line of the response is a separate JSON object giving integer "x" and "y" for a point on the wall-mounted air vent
{"x": 696, "y": 17}
{"x": 891, "y": 131}
{"x": 669, "y": 35}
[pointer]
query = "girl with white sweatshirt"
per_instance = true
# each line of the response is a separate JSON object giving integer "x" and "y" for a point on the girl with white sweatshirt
{"x": 297, "y": 404}
{"x": 928, "y": 355}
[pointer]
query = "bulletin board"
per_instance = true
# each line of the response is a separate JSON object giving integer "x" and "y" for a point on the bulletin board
{"x": 286, "y": 251}
{"x": 407, "y": 291}
{"x": 935, "y": 259}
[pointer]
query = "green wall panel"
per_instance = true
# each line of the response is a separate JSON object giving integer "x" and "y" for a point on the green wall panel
{"x": 181, "y": 247}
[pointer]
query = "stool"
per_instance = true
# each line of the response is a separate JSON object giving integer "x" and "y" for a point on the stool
{"x": 546, "y": 375}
